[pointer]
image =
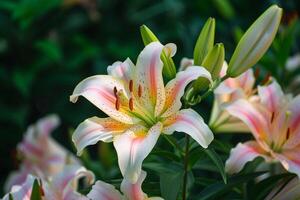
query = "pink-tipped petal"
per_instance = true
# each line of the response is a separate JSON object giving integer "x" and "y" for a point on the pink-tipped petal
{"x": 105, "y": 191}
{"x": 246, "y": 112}
{"x": 175, "y": 88}
{"x": 64, "y": 184}
{"x": 185, "y": 63}
{"x": 271, "y": 96}
{"x": 148, "y": 76}
{"x": 283, "y": 191}
{"x": 22, "y": 192}
{"x": 134, "y": 191}
{"x": 191, "y": 123}
{"x": 294, "y": 123}
{"x": 133, "y": 147}
{"x": 99, "y": 90}
{"x": 241, "y": 154}
{"x": 47, "y": 124}
{"x": 95, "y": 129}
{"x": 290, "y": 160}
{"x": 121, "y": 70}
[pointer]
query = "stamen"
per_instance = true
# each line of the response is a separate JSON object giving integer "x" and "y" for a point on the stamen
{"x": 131, "y": 103}
{"x": 115, "y": 92}
{"x": 130, "y": 85}
{"x": 272, "y": 118}
{"x": 140, "y": 91}
{"x": 266, "y": 79}
{"x": 117, "y": 103}
{"x": 256, "y": 73}
{"x": 287, "y": 134}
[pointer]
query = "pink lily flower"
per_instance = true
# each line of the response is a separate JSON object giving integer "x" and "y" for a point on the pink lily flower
{"x": 62, "y": 186}
{"x": 286, "y": 191}
{"x": 232, "y": 89}
{"x": 22, "y": 191}
{"x": 275, "y": 124}
{"x": 130, "y": 191}
{"x": 139, "y": 107}
{"x": 41, "y": 155}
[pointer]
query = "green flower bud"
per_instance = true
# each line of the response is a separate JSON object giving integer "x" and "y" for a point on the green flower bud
{"x": 213, "y": 62}
{"x": 169, "y": 69}
{"x": 205, "y": 41}
{"x": 255, "y": 42}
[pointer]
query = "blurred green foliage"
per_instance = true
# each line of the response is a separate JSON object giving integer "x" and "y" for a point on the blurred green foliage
{"x": 48, "y": 46}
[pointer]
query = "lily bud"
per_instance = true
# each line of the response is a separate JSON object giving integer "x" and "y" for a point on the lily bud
{"x": 213, "y": 62}
{"x": 255, "y": 42}
{"x": 169, "y": 69}
{"x": 205, "y": 41}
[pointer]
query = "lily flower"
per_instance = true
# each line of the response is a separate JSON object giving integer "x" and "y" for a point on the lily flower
{"x": 275, "y": 124}
{"x": 286, "y": 191}
{"x": 41, "y": 155}
{"x": 230, "y": 90}
{"x": 22, "y": 191}
{"x": 62, "y": 186}
{"x": 130, "y": 191}
{"x": 139, "y": 107}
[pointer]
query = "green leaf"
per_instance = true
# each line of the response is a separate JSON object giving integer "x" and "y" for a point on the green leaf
{"x": 36, "y": 192}
{"x": 170, "y": 185}
{"x": 218, "y": 162}
{"x": 169, "y": 69}
{"x": 255, "y": 42}
{"x": 205, "y": 41}
{"x": 50, "y": 49}
{"x": 218, "y": 189}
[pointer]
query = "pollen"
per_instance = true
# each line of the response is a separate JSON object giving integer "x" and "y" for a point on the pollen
{"x": 131, "y": 103}
{"x": 140, "y": 91}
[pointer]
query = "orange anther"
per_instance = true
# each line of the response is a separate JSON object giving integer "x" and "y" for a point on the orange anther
{"x": 131, "y": 103}
{"x": 287, "y": 134}
{"x": 266, "y": 79}
{"x": 130, "y": 85}
{"x": 272, "y": 117}
{"x": 117, "y": 103}
{"x": 140, "y": 91}
{"x": 115, "y": 92}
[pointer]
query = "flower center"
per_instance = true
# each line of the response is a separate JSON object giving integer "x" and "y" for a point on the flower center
{"x": 131, "y": 104}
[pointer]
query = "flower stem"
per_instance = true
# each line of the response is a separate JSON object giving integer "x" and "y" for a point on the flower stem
{"x": 186, "y": 159}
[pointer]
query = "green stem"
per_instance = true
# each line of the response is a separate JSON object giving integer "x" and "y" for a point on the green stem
{"x": 186, "y": 159}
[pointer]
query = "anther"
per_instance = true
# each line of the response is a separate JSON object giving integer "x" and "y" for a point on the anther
{"x": 256, "y": 73}
{"x": 266, "y": 79}
{"x": 140, "y": 91}
{"x": 130, "y": 85}
{"x": 131, "y": 103}
{"x": 287, "y": 134}
{"x": 117, "y": 103}
{"x": 115, "y": 92}
{"x": 41, "y": 188}
{"x": 272, "y": 118}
